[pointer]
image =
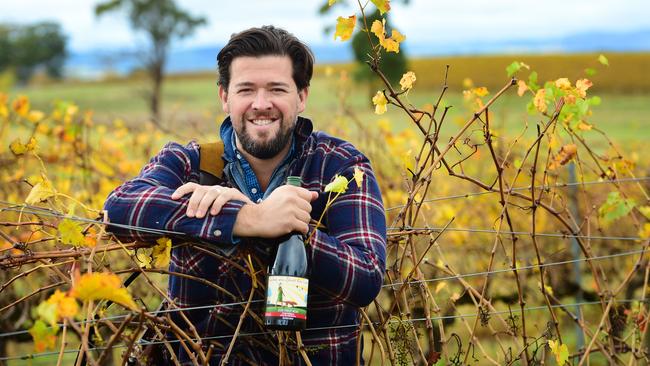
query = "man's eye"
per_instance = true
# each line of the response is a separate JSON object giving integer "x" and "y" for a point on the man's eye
{"x": 244, "y": 91}
{"x": 278, "y": 90}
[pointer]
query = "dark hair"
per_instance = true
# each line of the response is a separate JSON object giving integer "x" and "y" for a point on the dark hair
{"x": 267, "y": 41}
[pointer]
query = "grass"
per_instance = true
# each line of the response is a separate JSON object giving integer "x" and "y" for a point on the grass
{"x": 193, "y": 100}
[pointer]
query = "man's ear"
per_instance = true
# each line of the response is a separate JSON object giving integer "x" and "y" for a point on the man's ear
{"x": 223, "y": 95}
{"x": 302, "y": 95}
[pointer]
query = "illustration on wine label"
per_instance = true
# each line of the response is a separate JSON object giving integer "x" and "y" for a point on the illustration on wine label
{"x": 287, "y": 297}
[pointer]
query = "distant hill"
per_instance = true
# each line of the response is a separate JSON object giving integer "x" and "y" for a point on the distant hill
{"x": 95, "y": 64}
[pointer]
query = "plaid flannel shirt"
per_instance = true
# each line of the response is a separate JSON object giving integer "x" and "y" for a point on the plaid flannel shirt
{"x": 346, "y": 257}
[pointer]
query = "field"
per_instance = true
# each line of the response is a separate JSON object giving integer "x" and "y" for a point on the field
{"x": 467, "y": 296}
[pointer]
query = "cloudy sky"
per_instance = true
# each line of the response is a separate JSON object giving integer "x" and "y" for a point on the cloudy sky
{"x": 422, "y": 20}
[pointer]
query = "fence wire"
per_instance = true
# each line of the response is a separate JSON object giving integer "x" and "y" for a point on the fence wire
{"x": 412, "y": 321}
{"x": 389, "y": 285}
{"x": 40, "y": 211}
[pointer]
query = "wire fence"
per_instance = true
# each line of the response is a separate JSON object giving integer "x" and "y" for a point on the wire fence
{"x": 40, "y": 211}
{"x": 413, "y": 320}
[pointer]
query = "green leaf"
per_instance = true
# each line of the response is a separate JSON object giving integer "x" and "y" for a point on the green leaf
{"x": 603, "y": 60}
{"x": 615, "y": 207}
{"x": 530, "y": 107}
{"x": 513, "y": 68}
{"x": 595, "y": 100}
{"x": 561, "y": 351}
{"x": 48, "y": 312}
{"x": 338, "y": 185}
{"x": 44, "y": 336}
{"x": 590, "y": 71}
{"x": 441, "y": 362}
{"x": 71, "y": 233}
{"x": 532, "y": 81}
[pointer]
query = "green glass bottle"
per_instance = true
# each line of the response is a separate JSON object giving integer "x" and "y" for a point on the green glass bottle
{"x": 288, "y": 285}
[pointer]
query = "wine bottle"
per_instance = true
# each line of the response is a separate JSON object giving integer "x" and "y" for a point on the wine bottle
{"x": 287, "y": 287}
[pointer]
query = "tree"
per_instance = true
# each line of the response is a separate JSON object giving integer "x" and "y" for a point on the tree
{"x": 24, "y": 48}
{"x": 162, "y": 21}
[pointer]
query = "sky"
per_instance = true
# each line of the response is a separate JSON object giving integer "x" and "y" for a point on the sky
{"x": 422, "y": 21}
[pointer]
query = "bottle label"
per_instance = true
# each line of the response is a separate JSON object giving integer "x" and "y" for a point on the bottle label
{"x": 286, "y": 297}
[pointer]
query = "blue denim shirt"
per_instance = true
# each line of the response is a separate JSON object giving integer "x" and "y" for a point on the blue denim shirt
{"x": 240, "y": 172}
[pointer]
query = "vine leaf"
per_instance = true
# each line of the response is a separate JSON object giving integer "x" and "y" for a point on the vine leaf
{"x": 603, "y": 60}
{"x": 382, "y": 5}
{"x": 380, "y": 102}
{"x": 560, "y": 351}
{"x": 71, "y": 233}
{"x": 358, "y": 176}
{"x": 18, "y": 148}
{"x": 345, "y": 27}
{"x": 43, "y": 335}
{"x": 161, "y": 252}
{"x": 615, "y": 207}
{"x": 338, "y": 185}
{"x": 41, "y": 191}
{"x": 102, "y": 286}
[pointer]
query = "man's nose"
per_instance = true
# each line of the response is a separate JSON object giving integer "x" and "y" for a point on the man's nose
{"x": 262, "y": 100}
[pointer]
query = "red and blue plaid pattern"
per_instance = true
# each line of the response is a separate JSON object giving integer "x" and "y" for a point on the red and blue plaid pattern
{"x": 347, "y": 257}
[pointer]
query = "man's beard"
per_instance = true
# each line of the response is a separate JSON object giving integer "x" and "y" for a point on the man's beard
{"x": 264, "y": 149}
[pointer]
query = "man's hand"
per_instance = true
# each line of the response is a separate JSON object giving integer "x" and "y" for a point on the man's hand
{"x": 285, "y": 210}
{"x": 206, "y": 198}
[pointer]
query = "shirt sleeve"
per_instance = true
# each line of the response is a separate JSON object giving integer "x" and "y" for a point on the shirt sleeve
{"x": 145, "y": 201}
{"x": 349, "y": 260}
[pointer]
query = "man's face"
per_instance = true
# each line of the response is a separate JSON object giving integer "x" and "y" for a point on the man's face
{"x": 263, "y": 103}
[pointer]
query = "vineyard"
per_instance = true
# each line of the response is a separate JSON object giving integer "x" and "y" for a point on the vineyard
{"x": 522, "y": 245}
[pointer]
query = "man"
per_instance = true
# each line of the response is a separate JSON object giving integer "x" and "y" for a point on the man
{"x": 264, "y": 76}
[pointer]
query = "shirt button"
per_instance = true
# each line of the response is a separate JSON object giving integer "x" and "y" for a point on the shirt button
{"x": 254, "y": 190}
{"x": 238, "y": 156}
{"x": 217, "y": 233}
{"x": 259, "y": 200}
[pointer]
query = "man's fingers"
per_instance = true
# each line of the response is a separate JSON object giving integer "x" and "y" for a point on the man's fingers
{"x": 193, "y": 203}
{"x": 218, "y": 203}
{"x": 183, "y": 190}
{"x": 206, "y": 202}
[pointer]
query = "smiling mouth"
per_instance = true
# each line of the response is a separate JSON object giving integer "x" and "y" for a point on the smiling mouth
{"x": 262, "y": 122}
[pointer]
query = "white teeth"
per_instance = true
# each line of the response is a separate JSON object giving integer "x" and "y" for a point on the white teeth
{"x": 262, "y": 122}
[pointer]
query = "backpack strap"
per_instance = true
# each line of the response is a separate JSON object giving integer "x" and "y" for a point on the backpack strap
{"x": 211, "y": 164}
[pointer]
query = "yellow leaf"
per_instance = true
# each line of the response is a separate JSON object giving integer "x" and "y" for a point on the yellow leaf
{"x": 522, "y": 87}
{"x": 102, "y": 286}
{"x": 382, "y": 5}
{"x": 540, "y": 100}
{"x": 21, "y": 105}
{"x": 162, "y": 252}
{"x": 330, "y": 2}
{"x": 18, "y": 148}
{"x": 345, "y": 27}
{"x": 407, "y": 80}
{"x": 358, "y": 176}
{"x": 44, "y": 336}
{"x": 377, "y": 28}
{"x": 67, "y": 306}
{"x": 407, "y": 160}
{"x": 40, "y": 192}
{"x": 481, "y": 91}
{"x": 338, "y": 185}
{"x": 35, "y": 116}
{"x": 561, "y": 351}
{"x": 582, "y": 85}
{"x": 563, "y": 83}
{"x": 392, "y": 44}
{"x": 584, "y": 126}
{"x": 380, "y": 102}
{"x": 70, "y": 233}
{"x": 644, "y": 232}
